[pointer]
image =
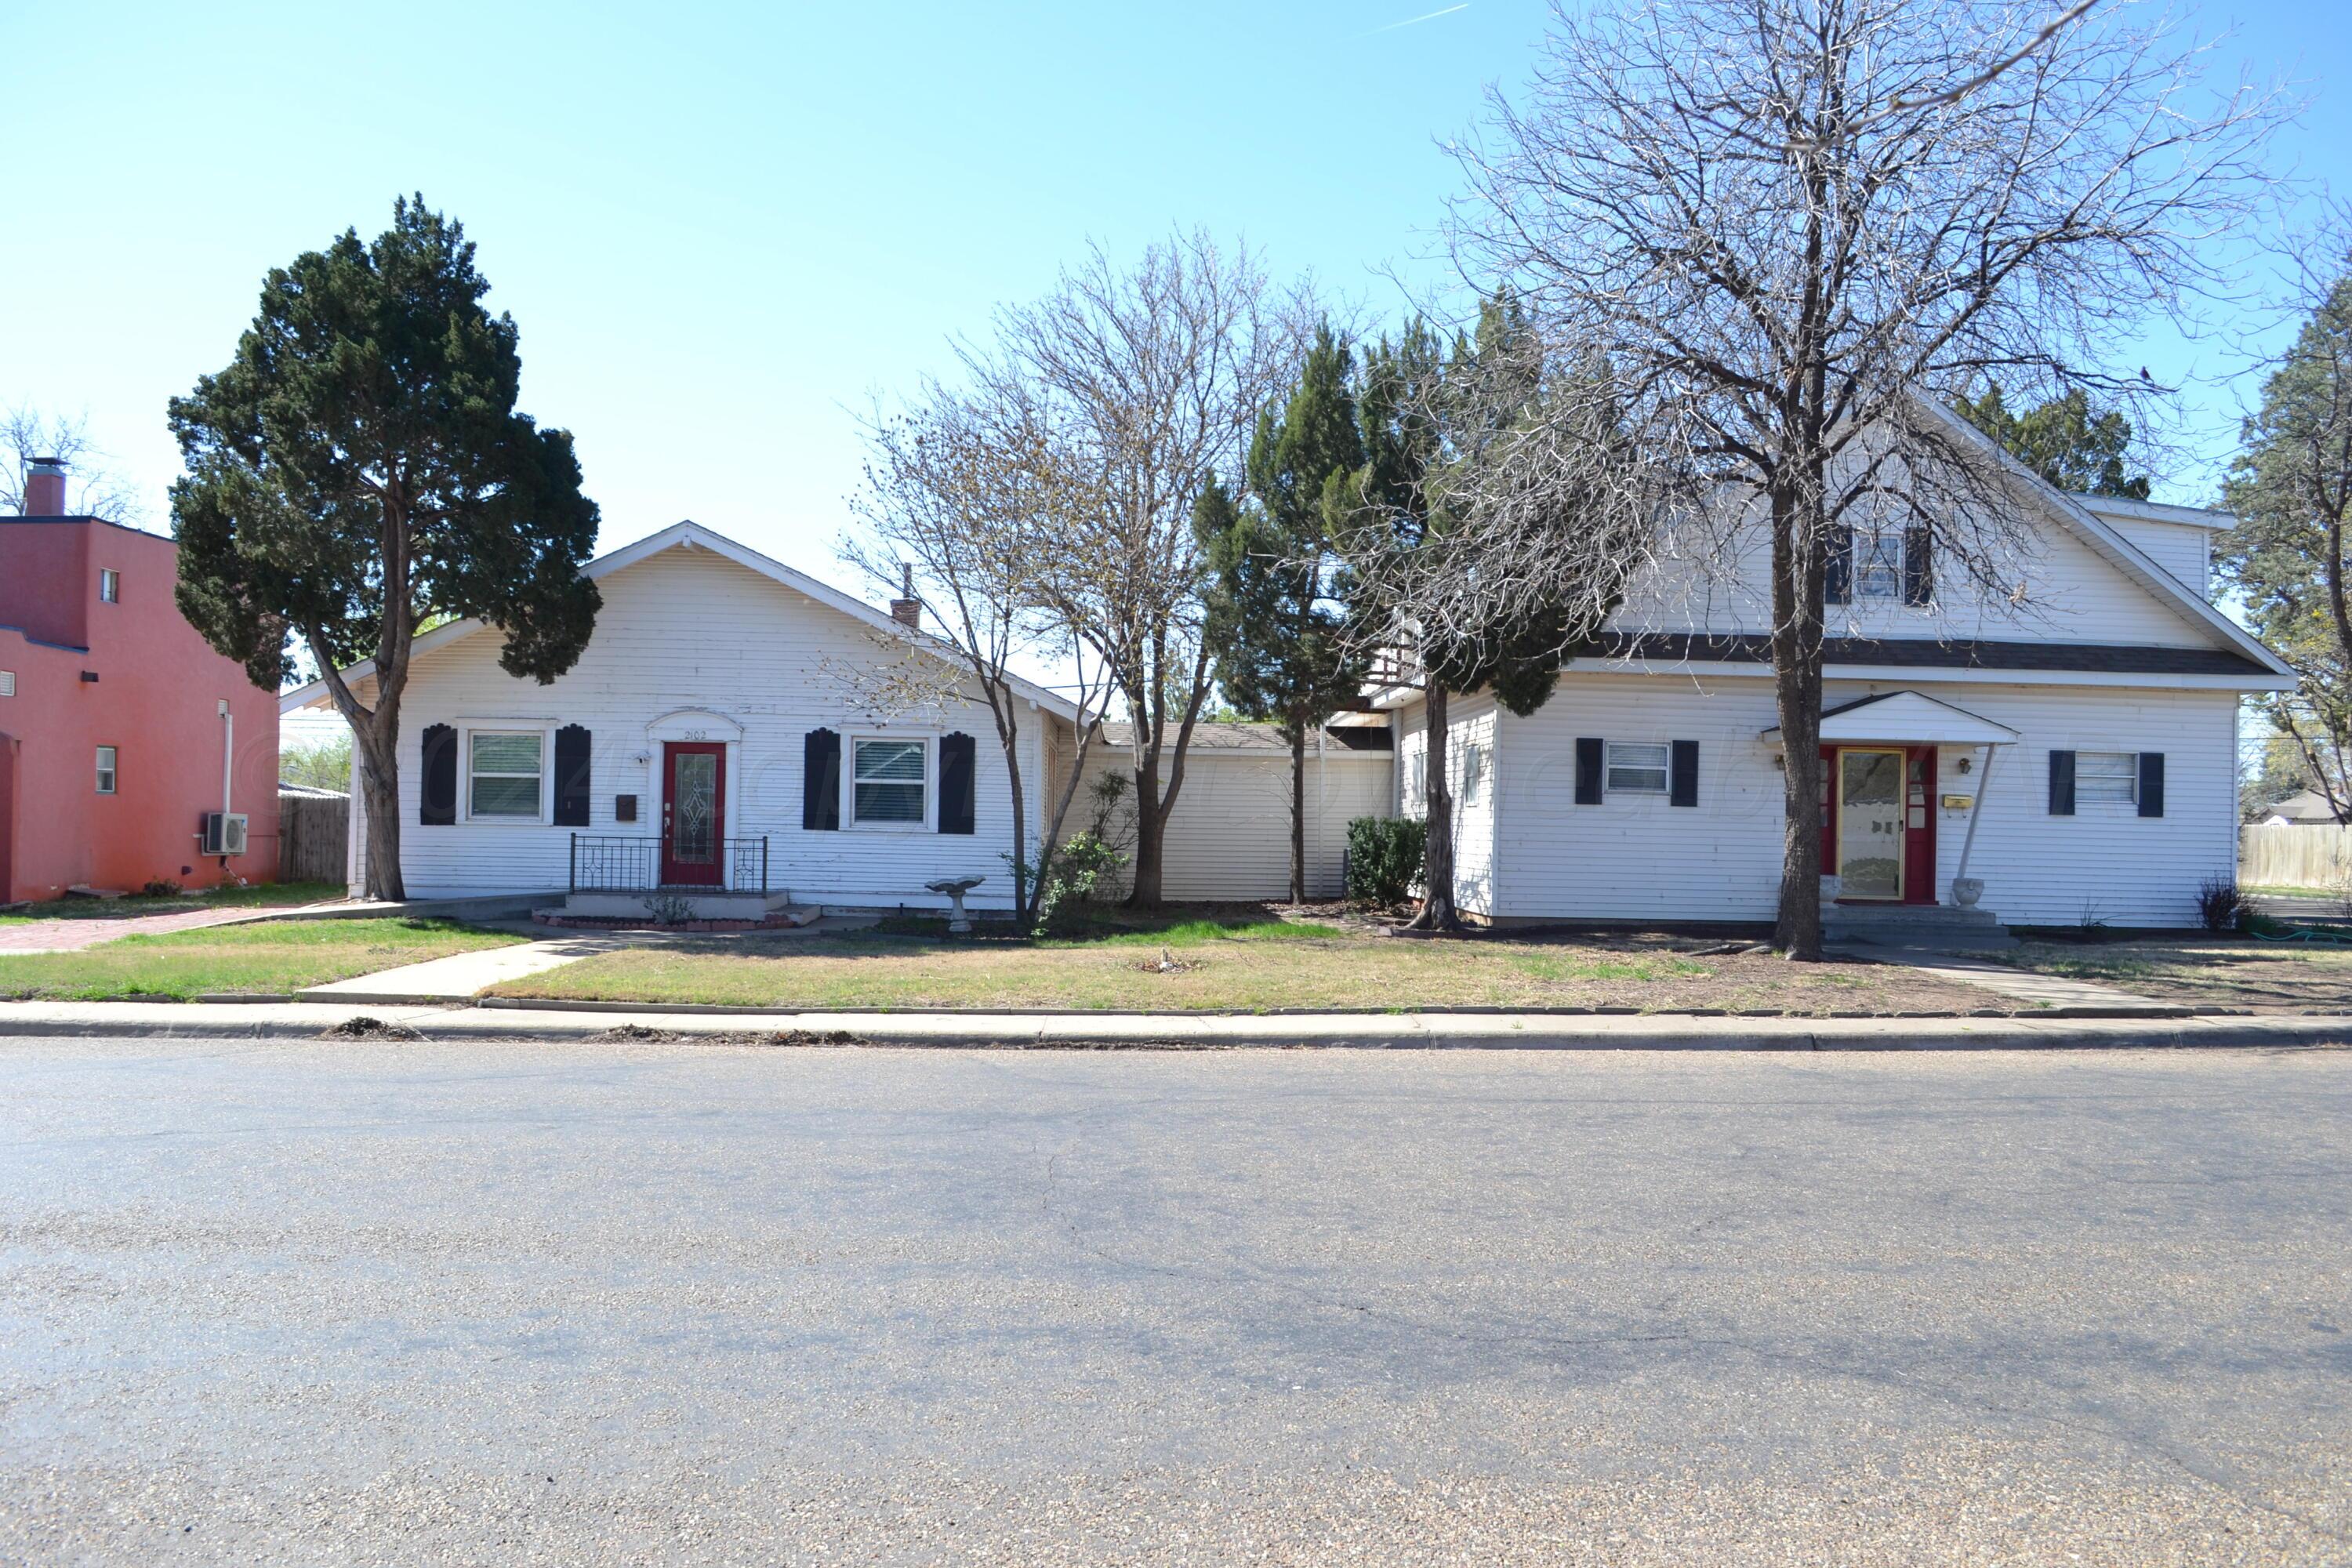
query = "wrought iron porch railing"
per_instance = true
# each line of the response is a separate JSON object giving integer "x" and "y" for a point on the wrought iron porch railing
{"x": 608, "y": 864}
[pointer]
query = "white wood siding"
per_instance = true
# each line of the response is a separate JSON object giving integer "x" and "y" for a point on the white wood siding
{"x": 1470, "y": 728}
{"x": 1229, "y": 836}
{"x": 2181, "y": 549}
{"x": 2072, "y": 595}
{"x": 686, "y": 629}
{"x": 1637, "y": 858}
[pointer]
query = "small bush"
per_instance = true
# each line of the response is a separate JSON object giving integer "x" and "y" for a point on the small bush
{"x": 1384, "y": 856}
{"x": 1078, "y": 866}
{"x": 669, "y": 908}
{"x": 160, "y": 888}
{"x": 2219, "y": 905}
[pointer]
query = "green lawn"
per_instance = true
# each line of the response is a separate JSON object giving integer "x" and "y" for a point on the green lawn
{"x": 263, "y": 895}
{"x": 268, "y": 958}
{"x": 1248, "y": 966}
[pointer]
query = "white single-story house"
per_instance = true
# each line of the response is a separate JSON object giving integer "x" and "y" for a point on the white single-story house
{"x": 737, "y": 726}
{"x": 2067, "y": 754}
{"x": 2304, "y": 808}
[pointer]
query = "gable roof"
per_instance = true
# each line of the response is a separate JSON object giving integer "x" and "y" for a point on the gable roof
{"x": 690, "y": 535}
{"x": 1908, "y": 716}
{"x": 2075, "y": 514}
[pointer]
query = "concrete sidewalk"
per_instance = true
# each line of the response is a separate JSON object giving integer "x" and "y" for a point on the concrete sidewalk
{"x": 1528, "y": 1031}
{"x": 458, "y": 978}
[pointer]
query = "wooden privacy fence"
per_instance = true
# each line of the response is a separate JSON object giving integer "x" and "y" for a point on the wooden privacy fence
{"x": 314, "y": 834}
{"x": 2289, "y": 854}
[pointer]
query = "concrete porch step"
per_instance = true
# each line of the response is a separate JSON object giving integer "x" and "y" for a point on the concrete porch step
{"x": 701, "y": 904}
{"x": 1934, "y": 926}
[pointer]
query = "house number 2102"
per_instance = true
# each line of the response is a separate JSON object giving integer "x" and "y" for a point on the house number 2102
{"x": 694, "y": 734}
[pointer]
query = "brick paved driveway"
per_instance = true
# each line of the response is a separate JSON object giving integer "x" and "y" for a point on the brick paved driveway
{"x": 73, "y": 935}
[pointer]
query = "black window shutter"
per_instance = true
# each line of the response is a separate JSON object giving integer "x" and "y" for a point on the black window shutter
{"x": 1588, "y": 771}
{"x": 1837, "y": 579}
{"x": 821, "y": 780}
{"x": 959, "y": 795}
{"x": 2151, "y": 783}
{"x": 436, "y": 807}
{"x": 572, "y": 748}
{"x": 1919, "y": 565}
{"x": 1682, "y": 788}
{"x": 2062, "y": 784}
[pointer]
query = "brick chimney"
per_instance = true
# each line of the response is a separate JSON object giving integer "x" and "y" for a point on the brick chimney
{"x": 907, "y": 609}
{"x": 44, "y": 488}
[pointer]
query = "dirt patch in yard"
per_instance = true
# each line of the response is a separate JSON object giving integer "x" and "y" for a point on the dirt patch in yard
{"x": 2208, "y": 973}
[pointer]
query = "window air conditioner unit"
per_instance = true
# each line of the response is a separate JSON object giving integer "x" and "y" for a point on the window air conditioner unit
{"x": 224, "y": 834}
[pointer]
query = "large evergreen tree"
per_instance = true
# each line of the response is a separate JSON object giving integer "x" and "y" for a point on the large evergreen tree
{"x": 359, "y": 470}
{"x": 2064, "y": 441}
{"x": 2291, "y": 488}
{"x": 1276, "y": 620}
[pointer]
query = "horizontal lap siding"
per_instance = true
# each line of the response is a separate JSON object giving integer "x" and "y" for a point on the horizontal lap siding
{"x": 2071, "y": 595}
{"x": 1230, "y": 835}
{"x": 691, "y": 630}
{"x": 1470, "y": 721}
{"x": 1637, "y": 858}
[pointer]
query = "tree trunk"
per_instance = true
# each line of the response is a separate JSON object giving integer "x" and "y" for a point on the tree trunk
{"x": 1797, "y": 542}
{"x": 376, "y": 748}
{"x": 1298, "y": 814}
{"x": 1437, "y": 910}
{"x": 1143, "y": 893}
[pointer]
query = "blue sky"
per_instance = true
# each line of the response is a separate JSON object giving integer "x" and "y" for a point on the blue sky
{"x": 721, "y": 229}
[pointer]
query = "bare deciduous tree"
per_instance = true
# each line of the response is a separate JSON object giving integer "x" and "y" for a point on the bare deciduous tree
{"x": 96, "y": 486}
{"x": 1137, "y": 384}
{"x": 1797, "y": 229}
{"x": 955, "y": 518}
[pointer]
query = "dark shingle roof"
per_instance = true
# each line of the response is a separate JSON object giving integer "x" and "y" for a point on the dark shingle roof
{"x": 1921, "y": 653}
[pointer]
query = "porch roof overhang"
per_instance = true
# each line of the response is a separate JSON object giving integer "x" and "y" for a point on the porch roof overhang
{"x": 1906, "y": 717}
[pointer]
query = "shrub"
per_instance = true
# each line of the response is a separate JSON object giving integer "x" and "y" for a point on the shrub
{"x": 161, "y": 888}
{"x": 669, "y": 908}
{"x": 1079, "y": 866}
{"x": 1384, "y": 856}
{"x": 2219, "y": 905}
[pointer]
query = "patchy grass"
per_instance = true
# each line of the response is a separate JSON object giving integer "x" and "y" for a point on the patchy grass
{"x": 2225, "y": 971}
{"x": 267, "y": 958}
{"x": 263, "y": 895}
{"x": 1255, "y": 965}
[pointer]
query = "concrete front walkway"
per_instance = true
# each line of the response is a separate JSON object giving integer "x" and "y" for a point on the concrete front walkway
{"x": 464, "y": 975}
{"x": 2024, "y": 985}
{"x": 1148, "y": 1031}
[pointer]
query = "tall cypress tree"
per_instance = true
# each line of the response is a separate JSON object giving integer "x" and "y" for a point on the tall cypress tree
{"x": 1277, "y": 619}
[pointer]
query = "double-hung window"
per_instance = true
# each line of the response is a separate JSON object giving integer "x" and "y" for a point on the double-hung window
{"x": 2110, "y": 777}
{"x": 106, "y": 770}
{"x": 1877, "y": 562}
{"x": 1637, "y": 767}
{"x": 887, "y": 782}
{"x": 505, "y": 770}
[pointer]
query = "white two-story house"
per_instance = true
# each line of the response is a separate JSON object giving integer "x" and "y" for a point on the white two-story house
{"x": 2066, "y": 753}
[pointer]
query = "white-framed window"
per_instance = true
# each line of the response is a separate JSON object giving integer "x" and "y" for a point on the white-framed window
{"x": 1637, "y": 767}
{"x": 505, "y": 775}
{"x": 1877, "y": 562}
{"x": 106, "y": 772}
{"x": 1474, "y": 772}
{"x": 2110, "y": 777}
{"x": 110, "y": 585}
{"x": 890, "y": 778}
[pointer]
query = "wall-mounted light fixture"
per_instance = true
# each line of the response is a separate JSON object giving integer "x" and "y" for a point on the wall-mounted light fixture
{"x": 1968, "y": 764}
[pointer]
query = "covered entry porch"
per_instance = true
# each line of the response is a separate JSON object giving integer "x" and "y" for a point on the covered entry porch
{"x": 1900, "y": 771}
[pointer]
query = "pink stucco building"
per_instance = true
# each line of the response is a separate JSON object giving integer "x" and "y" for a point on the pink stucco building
{"x": 120, "y": 726}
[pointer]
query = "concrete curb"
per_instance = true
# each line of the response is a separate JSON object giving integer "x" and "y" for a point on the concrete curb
{"x": 307, "y": 1021}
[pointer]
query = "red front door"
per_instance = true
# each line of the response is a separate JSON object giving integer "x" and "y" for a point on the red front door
{"x": 694, "y": 813}
{"x": 1918, "y": 794}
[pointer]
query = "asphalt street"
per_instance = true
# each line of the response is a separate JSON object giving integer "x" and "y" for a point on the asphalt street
{"x": 492, "y": 1303}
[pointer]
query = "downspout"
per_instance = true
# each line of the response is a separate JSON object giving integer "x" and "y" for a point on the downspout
{"x": 1976, "y": 809}
{"x": 228, "y": 752}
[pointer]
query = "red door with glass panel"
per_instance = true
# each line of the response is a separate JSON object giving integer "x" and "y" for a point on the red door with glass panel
{"x": 1878, "y": 822}
{"x": 694, "y": 813}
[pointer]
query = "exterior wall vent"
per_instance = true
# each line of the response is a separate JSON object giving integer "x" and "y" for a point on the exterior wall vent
{"x": 7, "y": 683}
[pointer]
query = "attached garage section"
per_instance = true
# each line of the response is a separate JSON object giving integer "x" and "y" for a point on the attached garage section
{"x": 1230, "y": 835}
